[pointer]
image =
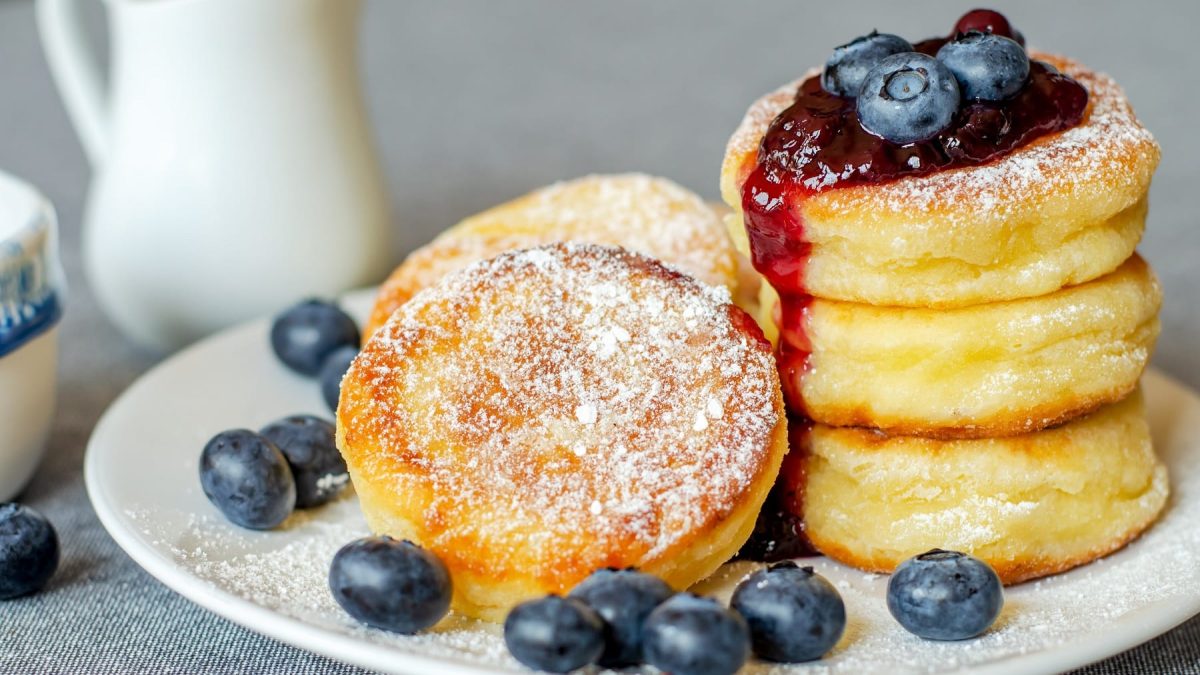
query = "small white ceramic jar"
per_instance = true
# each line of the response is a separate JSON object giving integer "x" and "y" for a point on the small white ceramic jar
{"x": 30, "y": 306}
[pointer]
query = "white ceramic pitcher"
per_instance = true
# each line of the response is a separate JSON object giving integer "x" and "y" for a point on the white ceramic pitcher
{"x": 234, "y": 169}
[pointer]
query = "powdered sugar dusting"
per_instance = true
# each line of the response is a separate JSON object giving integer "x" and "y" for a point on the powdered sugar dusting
{"x": 569, "y": 406}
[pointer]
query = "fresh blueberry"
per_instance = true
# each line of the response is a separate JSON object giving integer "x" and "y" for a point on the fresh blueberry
{"x": 248, "y": 479}
{"x": 307, "y": 333}
{"x": 988, "y": 67}
{"x": 988, "y": 21}
{"x": 691, "y": 635}
{"x": 554, "y": 634}
{"x": 393, "y": 585}
{"x": 308, "y": 444}
{"x": 623, "y": 598}
{"x": 908, "y": 98}
{"x": 28, "y": 551}
{"x": 332, "y": 372}
{"x": 847, "y": 68}
{"x": 794, "y": 614}
{"x": 945, "y": 595}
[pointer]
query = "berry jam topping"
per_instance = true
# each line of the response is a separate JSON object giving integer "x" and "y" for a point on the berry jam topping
{"x": 819, "y": 142}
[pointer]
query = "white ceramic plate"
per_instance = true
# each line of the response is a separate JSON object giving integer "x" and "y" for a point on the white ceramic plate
{"x": 141, "y": 472}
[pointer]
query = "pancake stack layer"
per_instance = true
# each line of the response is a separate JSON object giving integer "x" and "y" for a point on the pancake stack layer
{"x": 968, "y": 349}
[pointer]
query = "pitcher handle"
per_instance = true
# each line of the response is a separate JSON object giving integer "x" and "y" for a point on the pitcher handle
{"x": 76, "y": 69}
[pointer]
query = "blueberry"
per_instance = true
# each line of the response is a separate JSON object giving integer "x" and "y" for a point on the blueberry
{"x": 308, "y": 444}
{"x": 332, "y": 371}
{"x": 794, "y": 614}
{"x": 988, "y": 21}
{"x": 393, "y": 585}
{"x": 554, "y": 634}
{"x": 988, "y": 67}
{"x": 623, "y": 598}
{"x": 849, "y": 64}
{"x": 945, "y": 595}
{"x": 691, "y": 635}
{"x": 28, "y": 551}
{"x": 248, "y": 479}
{"x": 307, "y": 333}
{"x": 908, "y": 98}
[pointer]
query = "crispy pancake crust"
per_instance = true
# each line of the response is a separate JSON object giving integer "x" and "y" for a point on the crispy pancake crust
{"x": 560, "y": 409}
{"x": 1029, "y": 505}
{"x": 641, "y": 213}
{"x": 1062, "y": 210}
{"x": 998, "y": 369}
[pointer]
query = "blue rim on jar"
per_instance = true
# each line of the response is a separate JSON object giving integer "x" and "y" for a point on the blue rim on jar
{"x": 31, "y": 280}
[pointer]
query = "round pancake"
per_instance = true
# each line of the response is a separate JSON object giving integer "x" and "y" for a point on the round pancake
{"x": 1062, "y": 210}
{"x": 641, "y": 213}
{"x": 988, "y": 370}
{"x": 560, "y": 409}
{"x": 1029, "y": 505}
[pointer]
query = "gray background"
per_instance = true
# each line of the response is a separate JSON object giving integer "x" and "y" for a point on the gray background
{"x": 475, "y": 102}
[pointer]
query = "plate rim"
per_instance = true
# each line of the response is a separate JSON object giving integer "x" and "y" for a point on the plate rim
{"x": 1163, "y": 615}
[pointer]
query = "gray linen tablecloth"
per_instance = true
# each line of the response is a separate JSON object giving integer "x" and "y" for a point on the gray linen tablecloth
{"x": 475, "y": 102}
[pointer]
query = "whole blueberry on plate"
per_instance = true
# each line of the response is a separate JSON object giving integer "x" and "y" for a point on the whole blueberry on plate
{"x": 623, "y": 598}
{"x": 945, "y": 595}
{"x": 332, "y": 371}
{"x": 847, "y": 67}
{"x": 794, "y": 614}
{"x": 308, "y": 332}
{"x": 988, "y": 21}
{"x": 691, "y": 635}
{"x": 248, "y": 479}
{"x": 908, "y": 98}
{"x": 308, "y": 444}
{"x": 554, "y": 634}
{"x": 28, "y": 551}
{"x": 988, "y": 67}
{"x": 389, "y": 584}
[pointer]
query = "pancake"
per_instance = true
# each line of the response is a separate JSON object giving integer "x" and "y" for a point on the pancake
{"x": 988, "y": 370}
{"x": 1062, "y": 210}
{"x": 1029, "y": 505}
{"x": 556, "y": 410}
{"x": 641, "y": 213}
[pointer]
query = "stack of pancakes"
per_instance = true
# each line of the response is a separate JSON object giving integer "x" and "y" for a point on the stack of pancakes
{"x": 972, "y": 350}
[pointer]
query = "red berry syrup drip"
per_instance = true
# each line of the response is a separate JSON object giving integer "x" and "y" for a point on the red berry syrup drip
{"x": 779, "y": 251}
{"x": 779, "y": 532}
